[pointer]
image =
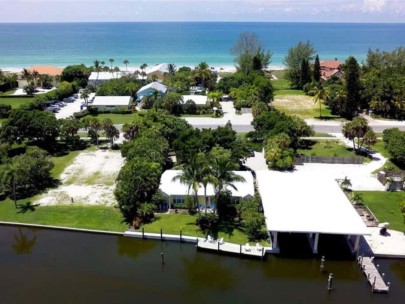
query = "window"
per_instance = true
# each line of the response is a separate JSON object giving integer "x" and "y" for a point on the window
{"x": 178, "y": 199}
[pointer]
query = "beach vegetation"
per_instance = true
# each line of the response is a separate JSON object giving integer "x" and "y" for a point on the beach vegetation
{"x": 126, "y": 62}
{"x": 303, "y": 52}
{"x": 249, "y": 53}
{"x": 124, "y": 86}
{"x": 76, "y": 73}
{"x": 7, "y": 81}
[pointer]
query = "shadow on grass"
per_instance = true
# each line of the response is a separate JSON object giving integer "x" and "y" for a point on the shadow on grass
{"x": 28, "y": 206}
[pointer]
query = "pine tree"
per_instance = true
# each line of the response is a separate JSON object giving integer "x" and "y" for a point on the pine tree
{"x": 305, "y": 75}
{"x": 352, "y": 86}
{"x": 317, "y": 69}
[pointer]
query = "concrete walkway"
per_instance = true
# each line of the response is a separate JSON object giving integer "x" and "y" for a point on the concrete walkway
{"x": 392, "y": 245}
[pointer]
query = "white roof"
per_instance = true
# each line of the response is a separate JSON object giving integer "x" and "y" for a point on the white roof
{"x": 105, "y": 75}
{"x": 111, "y": 101}
{"x": 170, "y": 187}
{"x": 154, "y": 85}
{"x": 162, "y": 68}
{"x": 307, "y": 202}
{"x": 198, "y": 99}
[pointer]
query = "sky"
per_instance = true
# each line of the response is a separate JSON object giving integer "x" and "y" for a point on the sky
{"x": 372, "y": 11}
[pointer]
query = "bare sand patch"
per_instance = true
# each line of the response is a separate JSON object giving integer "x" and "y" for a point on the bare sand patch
{"x": 89, "y": 180}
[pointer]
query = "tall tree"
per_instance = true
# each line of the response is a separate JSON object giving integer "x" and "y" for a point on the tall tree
{"x": 126, "y": 64}
{"x": 137, "y": 183}
{"x": 317, "y": 69}
{"x": 97, "y": 68}
{"x": 111, "y": 60}
{"x": 111, "y": 132}
{"x": 305, "y": 76}
{"x": 293, "y": 60}
{"x": 250, "y": 54}
{"x": 352, "y": 86}
{"x": 202, "y": 73}
{"x": 191, "y": 175}
{"x": 222, "y": 171}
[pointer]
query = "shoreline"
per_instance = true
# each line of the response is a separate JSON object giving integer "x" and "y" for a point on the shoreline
{"x": 131, "y": 69}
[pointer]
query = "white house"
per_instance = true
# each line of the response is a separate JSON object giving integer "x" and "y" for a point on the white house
{"x": 158, "y": 71}
{"x": 97, "y": 78}
{"x": 199, "y": 100}
{"x": 149, "y": 89}
{"x": 111, "y": 103}
{"x": 175, "y": 192}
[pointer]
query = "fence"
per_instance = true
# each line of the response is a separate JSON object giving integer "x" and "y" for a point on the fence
{"x": 300, "y": 160}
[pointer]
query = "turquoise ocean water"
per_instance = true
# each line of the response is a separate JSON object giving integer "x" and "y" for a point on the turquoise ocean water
{"x": 61, "y": 44}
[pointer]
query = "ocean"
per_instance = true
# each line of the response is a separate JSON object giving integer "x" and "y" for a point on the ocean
{"x": 184, "y": 43}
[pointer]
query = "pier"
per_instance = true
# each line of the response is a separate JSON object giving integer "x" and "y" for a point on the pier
{"x": 373, "y": 275}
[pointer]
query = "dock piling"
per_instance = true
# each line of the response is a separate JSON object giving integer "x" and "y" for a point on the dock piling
{"x": 321, "y": 268}
{"x": 143, "y": 233}
{"x": 181, "y": 236}
{"x": 330, "y": 281}
{"x": 163, "y": 258}
{"x": 161, "y": 234}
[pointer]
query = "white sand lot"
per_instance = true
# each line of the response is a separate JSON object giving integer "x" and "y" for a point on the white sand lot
{"x": 89, "y": 180}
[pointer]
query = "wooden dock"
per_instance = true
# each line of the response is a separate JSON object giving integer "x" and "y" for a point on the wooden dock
{"x": 249, "y": 251}
{"x": 373, "y": 275}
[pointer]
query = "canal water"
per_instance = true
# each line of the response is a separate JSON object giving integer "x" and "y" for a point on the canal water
{"x": 48, "y": 266}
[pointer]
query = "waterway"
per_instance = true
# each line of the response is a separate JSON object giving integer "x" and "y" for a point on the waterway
{"x": 48, "y": 266}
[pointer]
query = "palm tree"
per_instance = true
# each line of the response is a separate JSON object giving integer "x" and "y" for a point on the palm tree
{"x": 126, "y": 64}
{"x": 202, "y": 72}
{"x": 26, "y": 74}
{"x": 111, "y": 60}
{"x": 171, "y": 68}
{"x": 320, "y": 94}
{"x": 191, "y": 176}
{"x": 97, "y": 68}
{"x": 207, "y": 176}
{"x": 85, "y": 95}
{"x": 143, "y": 67}
{"x": 222, "y": 166}
{"x": 116, "y": 70}
{"x": 36, "y": 75}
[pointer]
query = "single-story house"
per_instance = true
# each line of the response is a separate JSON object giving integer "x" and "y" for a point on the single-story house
{"x": 158, "y": 71}
{"x": 112, "y": 103}
{"x": 200, "y": 100}
{"x": 175, "y": 192}
{"x": 42, "y": 70}
{"x": 330, "y": 68}
{"x": 97, "y": 78}
{"x": 149, "y": 89}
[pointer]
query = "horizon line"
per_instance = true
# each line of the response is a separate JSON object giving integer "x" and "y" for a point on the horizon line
{"x": 201, "y": 21}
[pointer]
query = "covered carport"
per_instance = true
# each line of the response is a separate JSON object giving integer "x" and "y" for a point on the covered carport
{"x": 310, "y": 203}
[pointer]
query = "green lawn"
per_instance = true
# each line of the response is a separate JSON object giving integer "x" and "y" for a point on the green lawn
{"x": 173, "y": 223}
{"x": 288, "y": 92}
{"x": 117, "y": 118}
{"x": 326, "y": 148}
{"x": 389, "y": 165}
{"x": 278, "y": 73}
{"x": 61, "y": 162}
{"x": 87, "y": 217}
{"x": 281, "y": 84}
{"x": 321, "y": 134}
{"x": 8, "y": 93}
{"x": 16, "y": 102}
{"x": 385, "y": 206}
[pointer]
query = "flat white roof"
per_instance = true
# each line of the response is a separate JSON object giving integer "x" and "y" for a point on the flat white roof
{"x": 170, "y": 187}
{"x": 198, "y": 99}
{"x": 111, "y": 101}
{"x": 307, "y": 202}
{"x": 105, "y": 75}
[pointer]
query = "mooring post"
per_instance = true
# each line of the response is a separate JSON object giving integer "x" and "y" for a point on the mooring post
{"x": 143, "y": 233}
{"x": 330, "y": 281}
{"x": 161, "y": 234}
{"x": 218, "y": 245}
{"x": 321, "y": 268}
{"x": 383, "y": 276}
{"x": 240, "y": 249}
{"x": 163, "y": 258}
{"x": 181, "y": 236}
{"x": 372, "y": 288}
{"x": 388, "y": 286}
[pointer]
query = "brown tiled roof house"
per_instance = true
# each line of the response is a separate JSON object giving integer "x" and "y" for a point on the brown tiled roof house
{"x": 331, "y": 68}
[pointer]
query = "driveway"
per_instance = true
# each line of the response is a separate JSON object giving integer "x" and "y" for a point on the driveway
{"x": 71, "y": 108}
